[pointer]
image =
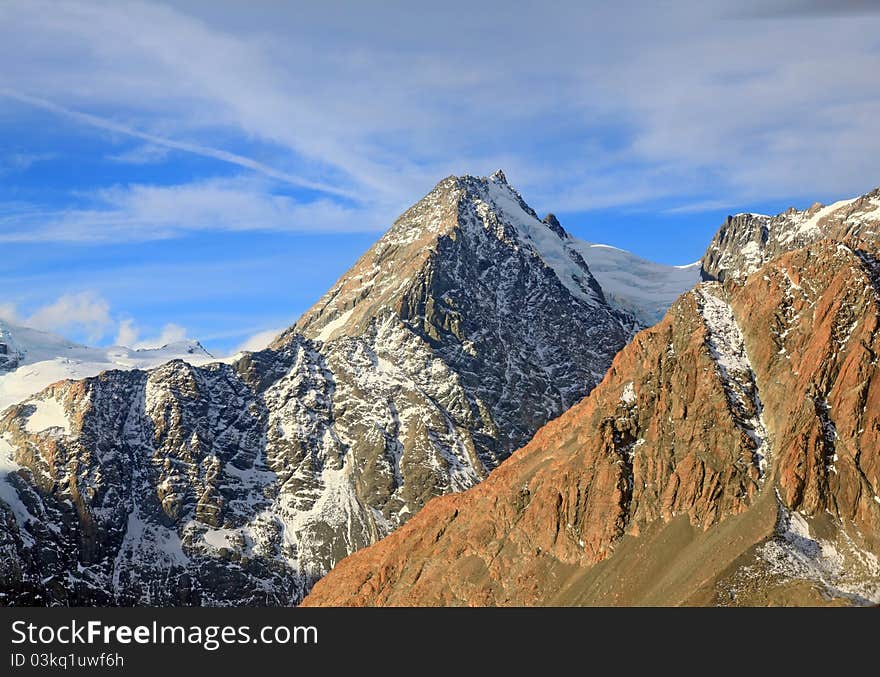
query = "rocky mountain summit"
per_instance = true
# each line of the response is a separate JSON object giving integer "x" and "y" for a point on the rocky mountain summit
{"x": 746, "y": 241}
{"x": 730, "y": 456}
{"x": 468, "y": 326}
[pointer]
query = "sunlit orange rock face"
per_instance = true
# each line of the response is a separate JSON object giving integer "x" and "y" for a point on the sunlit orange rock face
{"x": 731, "y": 452}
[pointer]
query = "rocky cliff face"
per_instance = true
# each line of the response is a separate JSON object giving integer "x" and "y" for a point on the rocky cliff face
{"x": 729, "y": 456}
{"x": 469, "y": 325}
{"x": 746, "y": 241}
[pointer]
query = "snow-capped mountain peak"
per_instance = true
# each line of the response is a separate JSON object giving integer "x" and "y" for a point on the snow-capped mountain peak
{"x": 548, "y": 240}
{"x": 22, "y": 345}
{"x": 487, "y": 211}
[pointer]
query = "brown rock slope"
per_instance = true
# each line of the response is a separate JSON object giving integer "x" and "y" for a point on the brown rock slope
{"x": 731, "y": 455}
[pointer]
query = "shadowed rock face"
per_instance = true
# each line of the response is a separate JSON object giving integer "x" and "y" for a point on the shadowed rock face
{"x": 729, "y": 456}
{"x": 469, "y": 325}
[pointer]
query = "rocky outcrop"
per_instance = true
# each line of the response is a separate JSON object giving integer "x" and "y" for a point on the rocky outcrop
{"x": 729, "y": 456}
{"x": 746, "y": 241}
{"x": 469, "y": 325}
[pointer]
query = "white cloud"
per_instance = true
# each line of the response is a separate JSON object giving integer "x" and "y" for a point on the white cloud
{"x": 145, "y": 154}
{"x": 8, "y": 312}
{"x": 129, "y": 335}
{"x": 88, "y": 314}
{"x": 170, "y": 333}
{"x": 258, "y": 341}
{"x": 146, "y": 212}
{"x": 197, "y": 149}
{"x": 23, "y": 161}
{"x": 84, "y": 312}
{"x": 700, "y": 206}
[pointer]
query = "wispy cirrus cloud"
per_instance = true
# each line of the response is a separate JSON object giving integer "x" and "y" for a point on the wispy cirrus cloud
{"x": 691, "y": 99}
{"x": 138, "y": 212}
{"x": 144, "y": 154}
{"x": 172, "y": 144}
{"x": 701, "y": 206}
{"x": 806, "y": 8}
{"x": 18, "y": 162}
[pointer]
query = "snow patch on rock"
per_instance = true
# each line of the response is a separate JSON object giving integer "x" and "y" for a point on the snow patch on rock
{"x": 558, "y": 253}
{"x": 841, "y": 568}
{"x": 47, "y": 414}
{"x": 727, "y": 347}
{"x": 337, "y": 323}
{"x": 8, "y": 493}
{"x": 808, "y": 226}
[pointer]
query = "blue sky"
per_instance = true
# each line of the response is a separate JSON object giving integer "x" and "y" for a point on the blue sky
{"x": 208, "y": 169}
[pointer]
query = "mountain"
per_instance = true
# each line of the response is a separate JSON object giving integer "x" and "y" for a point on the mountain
{"x": 730, "y": 456}
{"x": 31, "y": 359}
{"x": 464, "y": 329}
